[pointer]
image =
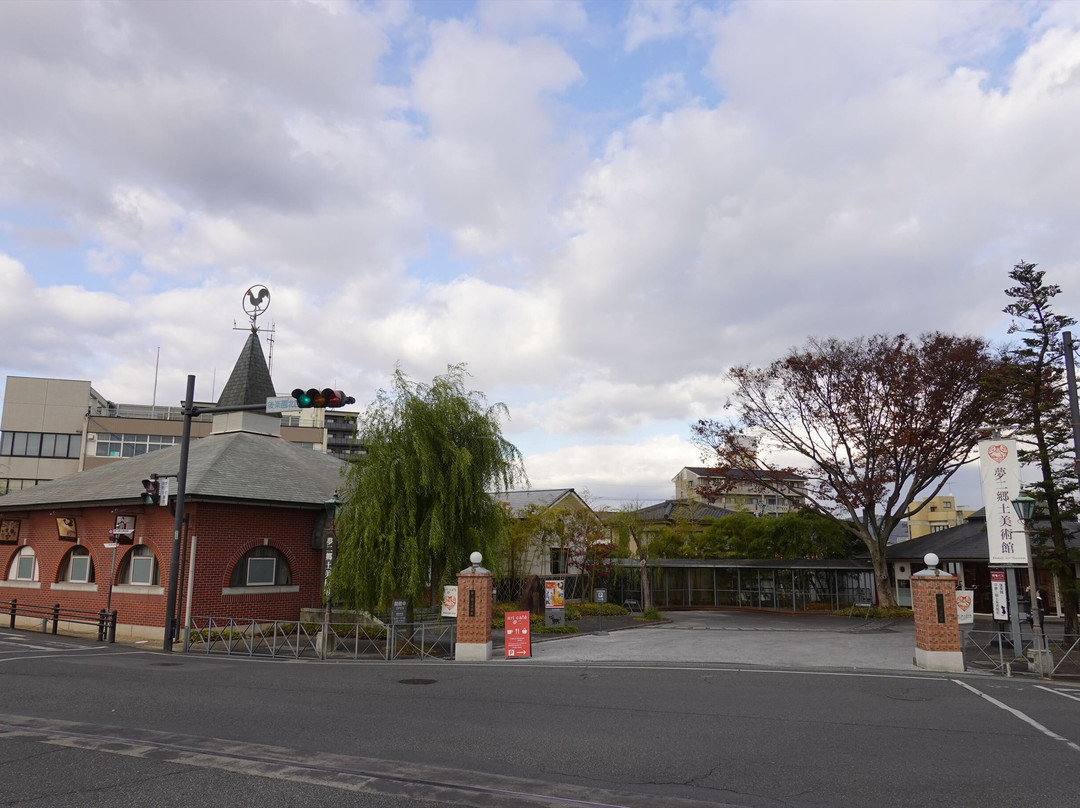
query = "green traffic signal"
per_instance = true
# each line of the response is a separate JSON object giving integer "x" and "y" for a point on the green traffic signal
{"x": 319, "y": 399}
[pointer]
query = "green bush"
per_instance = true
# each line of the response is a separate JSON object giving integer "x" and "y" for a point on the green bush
{"x": 652, "y": 613}
{"x": 542, "y": 629}
{"x": 575, "y": 611}
{"x": 877, "y": 612}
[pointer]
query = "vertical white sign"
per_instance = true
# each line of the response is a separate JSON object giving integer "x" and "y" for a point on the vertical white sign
{"x": 163, "y": 490}
{"x": 1000, "y": 472}
{"x": 1000, "y": 595}
{"x": 449, "y": 601}
{"x": 965, "y": 606}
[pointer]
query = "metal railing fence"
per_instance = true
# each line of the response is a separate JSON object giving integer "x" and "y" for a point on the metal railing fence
{"x": 292, "y": 639}
{"x": 104, "y": 621}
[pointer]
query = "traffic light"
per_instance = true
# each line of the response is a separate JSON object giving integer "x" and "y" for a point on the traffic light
{"x": 151, "y": 490}
{"x": 321, "y": 398}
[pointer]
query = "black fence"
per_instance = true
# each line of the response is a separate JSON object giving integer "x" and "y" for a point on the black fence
{"x": 104, "y": 621}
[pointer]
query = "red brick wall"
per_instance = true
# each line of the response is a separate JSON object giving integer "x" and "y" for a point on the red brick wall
{"x": 476, "y": 629}
{"x": 930, "y": 635}
{"x": 225, "y": 532}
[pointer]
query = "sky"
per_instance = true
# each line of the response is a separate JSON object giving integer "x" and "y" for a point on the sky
{"x": 598, "y": 207}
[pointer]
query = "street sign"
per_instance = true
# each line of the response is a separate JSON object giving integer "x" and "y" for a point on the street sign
{"x": 600, "y": 596}
{"x": 517, "y": 643}
{"x": 163, "y": 490}
{"x": 111, "y": 545}
{"x": 281, "y": 404}
{"x": 1000, "y": 594}
{"x": 399, "y": 612}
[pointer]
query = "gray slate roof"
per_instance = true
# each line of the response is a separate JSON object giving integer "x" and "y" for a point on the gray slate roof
{"x": 518, "y": 501}
{"x": 966, "y": 542}
{"x": 249, "y": 382}
{"x": 238, "y": 466}
{"x": 674, "y": 509}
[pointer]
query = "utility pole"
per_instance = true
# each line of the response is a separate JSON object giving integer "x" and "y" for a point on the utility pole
{"x": 190, "y": 411}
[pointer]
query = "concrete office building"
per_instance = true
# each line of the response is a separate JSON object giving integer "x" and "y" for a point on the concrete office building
{"x": 54, "y": 427}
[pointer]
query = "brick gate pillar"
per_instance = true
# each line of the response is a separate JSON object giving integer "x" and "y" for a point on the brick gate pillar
{"x": 474, "y": 613}
{"x": 938, "y": 643}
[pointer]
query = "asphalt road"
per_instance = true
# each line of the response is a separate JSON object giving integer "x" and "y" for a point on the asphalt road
{"x": 83, "y": 724}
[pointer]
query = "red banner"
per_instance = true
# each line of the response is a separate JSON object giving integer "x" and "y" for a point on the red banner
{"x": 518, "y": 639}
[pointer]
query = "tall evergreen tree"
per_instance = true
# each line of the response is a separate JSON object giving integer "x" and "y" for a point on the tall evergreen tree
{"x": 417, "y": 504}
{"x": 1037, "y": 408}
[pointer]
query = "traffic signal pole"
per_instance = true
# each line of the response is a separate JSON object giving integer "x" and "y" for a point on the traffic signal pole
{"x": 178, "y": 521}
{"x": 190, "y": 411}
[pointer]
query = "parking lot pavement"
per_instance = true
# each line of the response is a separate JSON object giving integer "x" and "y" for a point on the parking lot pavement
{"x": 747, "y": 638}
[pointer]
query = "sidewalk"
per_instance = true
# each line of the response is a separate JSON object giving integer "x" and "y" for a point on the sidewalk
{"x": 739, "y": 638}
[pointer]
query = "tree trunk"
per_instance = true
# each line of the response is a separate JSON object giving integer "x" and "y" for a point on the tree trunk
{"x": 885, "y": 594}
{"x": 646, "y": 591}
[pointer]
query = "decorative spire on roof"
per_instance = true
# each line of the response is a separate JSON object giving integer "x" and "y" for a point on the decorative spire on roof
{"x": 250, "y": 381}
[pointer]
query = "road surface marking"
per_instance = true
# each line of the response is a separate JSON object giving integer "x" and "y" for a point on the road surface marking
{"x": 1058, "y": 693}
{"x": 1022, "y": 716}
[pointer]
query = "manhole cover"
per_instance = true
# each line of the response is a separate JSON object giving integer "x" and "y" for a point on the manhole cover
{"x": 416, "y": 681}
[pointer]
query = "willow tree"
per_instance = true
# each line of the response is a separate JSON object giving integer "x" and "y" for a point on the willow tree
{"x": 417, "y": 503}
{"x": 873, "y": 423}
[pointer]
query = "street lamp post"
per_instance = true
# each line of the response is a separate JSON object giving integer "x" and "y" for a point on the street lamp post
{"x": 1025, "y": 510}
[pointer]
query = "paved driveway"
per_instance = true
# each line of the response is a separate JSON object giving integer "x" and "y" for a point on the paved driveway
{"x": 747, "y": 638}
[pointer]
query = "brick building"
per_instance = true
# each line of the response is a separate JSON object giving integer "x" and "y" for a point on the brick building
{"x": 254, "y": 524}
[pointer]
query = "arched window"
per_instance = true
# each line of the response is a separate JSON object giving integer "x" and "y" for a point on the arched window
{"x": 24, "y": 566}
{"x": 261, "y": 566}
{"x": 78, "y": 567}
{"x": 140, "y": 567}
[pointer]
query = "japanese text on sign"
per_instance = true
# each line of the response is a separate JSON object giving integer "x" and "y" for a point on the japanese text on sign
{"x": 1000, "y": 472}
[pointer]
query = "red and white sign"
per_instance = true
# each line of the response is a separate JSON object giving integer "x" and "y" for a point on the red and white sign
{"x": 965, "y": 606}
{"x": 449, "y": 601}
{"x": 1000, "y": 594}
{"x": 518, "y": 637}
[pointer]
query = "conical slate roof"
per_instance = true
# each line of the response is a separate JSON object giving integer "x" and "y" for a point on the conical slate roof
{"x": 235, "y": 466}
{"x": 250, "y": 381}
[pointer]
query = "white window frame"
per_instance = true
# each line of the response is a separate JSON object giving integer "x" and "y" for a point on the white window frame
{"x": 81, "y": 558}
{"x": 251, "y": 579}
{"x": 25, "y": 554}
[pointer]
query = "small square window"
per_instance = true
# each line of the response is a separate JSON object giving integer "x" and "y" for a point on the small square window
{"x": 79, "y": 571}
{"x": 142, "y": 570}
{"x": 261, "y": 571}
{"x": 24, "y": 569}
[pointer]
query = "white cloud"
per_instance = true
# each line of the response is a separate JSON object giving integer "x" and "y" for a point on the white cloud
{"x": 424, "y": 192}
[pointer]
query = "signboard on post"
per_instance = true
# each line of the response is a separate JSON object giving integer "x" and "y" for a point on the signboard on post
{"x": 399, "y": 612}
{"x": 965, "y": 606}
{"x": 553, "y": 595}
{"x": 1000, "y": 472}
{"x": 1000, "y": 595}
{"x": 449, "y": 601}
{"x": 518, "y": 638}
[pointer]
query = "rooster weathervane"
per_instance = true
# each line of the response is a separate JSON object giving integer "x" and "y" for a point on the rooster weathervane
{"x": 256, "y": 301}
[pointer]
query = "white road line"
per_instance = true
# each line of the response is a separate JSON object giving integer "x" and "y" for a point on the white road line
{"x": 1022, "y": 716}
{"x": 1058, "y": 693}
{"x": 68, "y": 654}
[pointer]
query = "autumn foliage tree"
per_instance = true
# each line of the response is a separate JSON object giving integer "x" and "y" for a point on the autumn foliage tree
{"x": 873, "y": 423}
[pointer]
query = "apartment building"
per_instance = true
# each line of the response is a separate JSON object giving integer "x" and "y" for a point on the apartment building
{"x": 742, "y": 491}
{"x": 940, "y": 513}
